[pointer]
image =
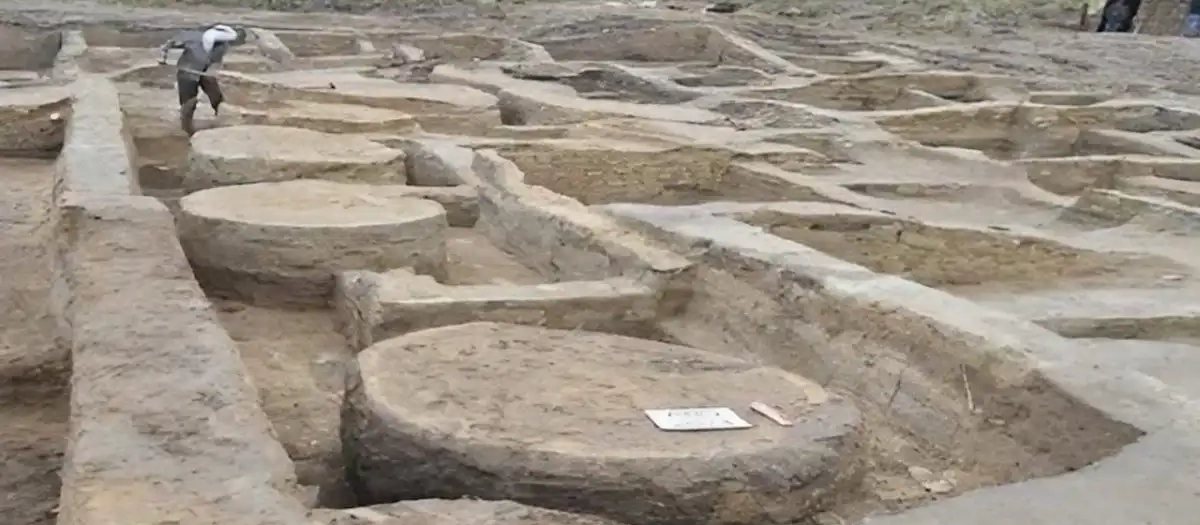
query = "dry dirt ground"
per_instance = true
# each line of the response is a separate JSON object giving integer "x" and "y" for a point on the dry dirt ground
{"x": 1099, "y": 215}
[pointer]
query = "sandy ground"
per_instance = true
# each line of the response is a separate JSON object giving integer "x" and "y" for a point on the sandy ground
{"x": 33, "y": 395}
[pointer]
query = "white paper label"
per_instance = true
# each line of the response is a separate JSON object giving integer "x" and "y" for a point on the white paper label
{"x": 716, "y": 418}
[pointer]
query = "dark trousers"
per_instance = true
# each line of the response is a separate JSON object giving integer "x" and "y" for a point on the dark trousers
{"x": 189, "y": 86}
{"x": 1118, "y": 16}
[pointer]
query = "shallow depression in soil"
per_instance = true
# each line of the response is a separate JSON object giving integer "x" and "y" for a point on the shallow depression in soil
{"x": 951, "y": 258}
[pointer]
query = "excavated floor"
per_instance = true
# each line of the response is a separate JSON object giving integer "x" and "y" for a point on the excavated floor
{"x": 907, "y": 242}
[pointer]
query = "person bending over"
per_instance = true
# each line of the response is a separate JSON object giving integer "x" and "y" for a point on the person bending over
{"x": 202, "y": 49}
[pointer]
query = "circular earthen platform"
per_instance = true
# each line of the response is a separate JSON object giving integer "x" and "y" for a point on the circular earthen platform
{"x": 282, "y": 242}
{"x": 554, "y": 418}
{"x": 247, "y": 154}
{"x": 453, "y": 512}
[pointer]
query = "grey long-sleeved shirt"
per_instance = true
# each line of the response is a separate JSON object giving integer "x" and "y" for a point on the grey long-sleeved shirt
{"x": 194, "y": 56}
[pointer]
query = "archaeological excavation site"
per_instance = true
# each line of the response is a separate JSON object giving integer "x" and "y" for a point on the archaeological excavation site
{"x": 414, "y": 277}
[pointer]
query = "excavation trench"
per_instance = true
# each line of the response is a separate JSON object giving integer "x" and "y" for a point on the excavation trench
{"x": 34, "y": 390}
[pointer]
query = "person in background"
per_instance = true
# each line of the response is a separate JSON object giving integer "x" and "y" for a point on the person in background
{"x": 1118, "y": 16}
{"x": 202, "y": 49}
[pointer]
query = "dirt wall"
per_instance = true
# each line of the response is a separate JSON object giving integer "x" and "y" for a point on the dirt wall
{"x": 1162, "y": 17}
{"x": 28, "y": 50}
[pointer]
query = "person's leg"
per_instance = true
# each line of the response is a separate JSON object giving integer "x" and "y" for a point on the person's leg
{"x": 1103, "y": 26}
{"x": 188, "y": 85}
{"x": 213, "y": 91}
{"x": 1131, "y": 12}
{"x": 1116, "y": 17}
{"x": 1191, "y": 26}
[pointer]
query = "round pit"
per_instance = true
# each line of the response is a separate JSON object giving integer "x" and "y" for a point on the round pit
{"x": 282, "y": 242}
{"x": 555, "y": 418}
{"x": 453, "y": 512}
{"x": 248, "y": 154}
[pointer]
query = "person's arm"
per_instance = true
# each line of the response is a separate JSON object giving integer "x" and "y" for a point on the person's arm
{"x": 219, "y": 34}
{"x": 176, "y": 42}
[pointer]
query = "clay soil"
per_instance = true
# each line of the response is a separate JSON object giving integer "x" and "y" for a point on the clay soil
{"x": 33, "y": 389}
